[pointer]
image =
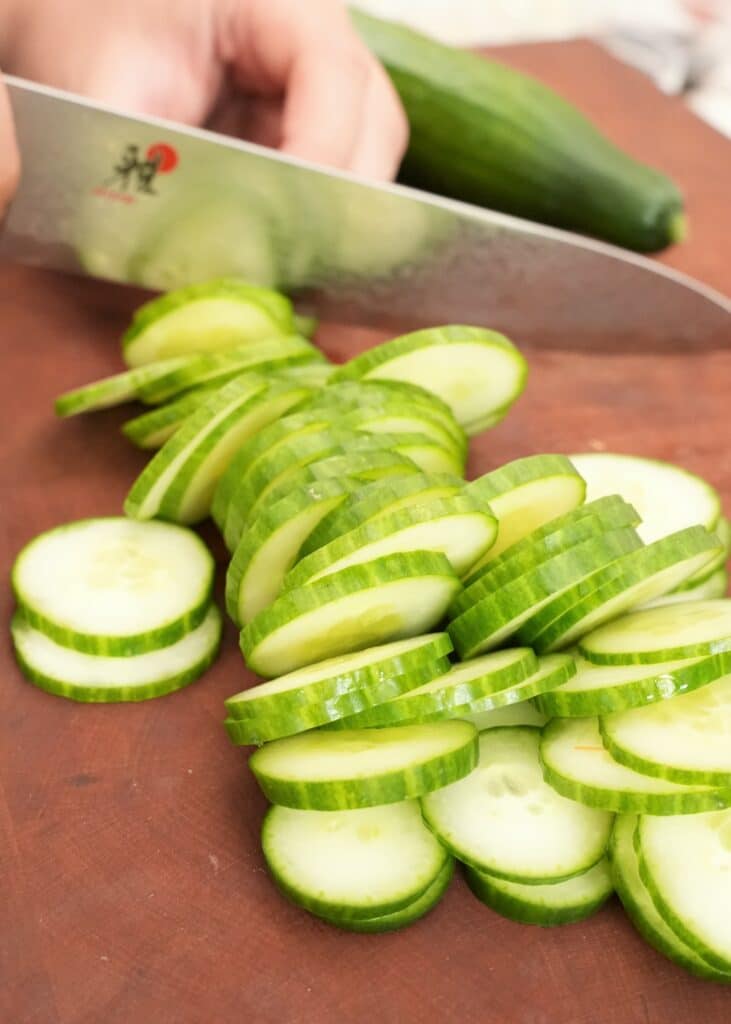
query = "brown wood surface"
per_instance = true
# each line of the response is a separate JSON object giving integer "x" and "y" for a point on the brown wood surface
{"x": 132, "y": 888}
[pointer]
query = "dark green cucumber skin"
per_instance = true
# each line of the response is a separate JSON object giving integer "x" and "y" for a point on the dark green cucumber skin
{"x": 487, "y": 134}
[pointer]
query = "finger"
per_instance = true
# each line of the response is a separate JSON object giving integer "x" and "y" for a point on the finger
{"x": 9, "y": 156}
{"x": 384, "y": 130}
{"x": 326, "y": 90}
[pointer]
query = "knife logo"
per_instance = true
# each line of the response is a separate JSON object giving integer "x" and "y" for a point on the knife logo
{"x": 137, "y": 173}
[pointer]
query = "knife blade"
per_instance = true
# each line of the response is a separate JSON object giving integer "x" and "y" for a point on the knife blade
{"x": 147, "y": 202}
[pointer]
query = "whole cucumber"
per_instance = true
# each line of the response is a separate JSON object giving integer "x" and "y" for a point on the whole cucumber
{"x": 487, "y": 134}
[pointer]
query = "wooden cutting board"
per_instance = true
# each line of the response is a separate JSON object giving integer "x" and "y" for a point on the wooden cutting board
{"x": 132, "y": 888}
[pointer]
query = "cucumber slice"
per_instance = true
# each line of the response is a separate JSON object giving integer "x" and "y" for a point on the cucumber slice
{"x": 390, "y": 394}
{"x": 551, "y": 539}
{"x": 713, "y": 587}
{"x": 179, "y": 481}
{"x": 312, "y": 375}
{"x": 685, "y": 862}
{"x": 268, "y": 548}
{"x": 216, "y": 368}
{"x": 457, "y": 686}
{"x": 578, "y": 766}
{"x": 392, "y": 420}
{"x": 552, "y": 670}
{"x": 687, "y": 630}
{"x": 475, "y": 371}
{"x": 152, "y": 429}
{"x": 495, "y": 617}
{"x": 601, "y": 689}
{"x": 114, "y": 587}
{"x": 330, "y": 771}
{"x": 523, "y": 713}
{"x": 456, "y": 526}
{"x": 503, "y": 818}
{"x": 526, "y": 494}
{"x": 640, "y": 908}
{"x": 205, "y": 317}
{"x": 378, "y": 498}
{"x": 684, "y": 739}
{"x": 355, "y": 680}
{"x": 633, "y": 579}
{"x": 667, "y": 497}
{"x": 557, "y": 903}
{"x": 270, "y": 472}
{"x": 356, "y": 864}
{"x": 94, "y": 677}
{"x": 391, "y": 598}
{"x": 722, "y": 530}
{"x": 115, "y": 390}
{"x": 399, "y": 918}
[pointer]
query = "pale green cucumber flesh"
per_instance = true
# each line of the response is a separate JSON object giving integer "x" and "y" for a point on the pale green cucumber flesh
{"x": 364, "y": 767}
{"x": 113, "y": 586}
{"x": 99, "y": 678}
{"x": 505, "y": 820}
{"x": 577, "y": 765}
{"x": 557, "y": 903}
{"x": 355, "y": 864}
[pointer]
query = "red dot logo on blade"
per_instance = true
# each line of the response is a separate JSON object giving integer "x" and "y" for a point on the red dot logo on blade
{"x": 164, "y": 155}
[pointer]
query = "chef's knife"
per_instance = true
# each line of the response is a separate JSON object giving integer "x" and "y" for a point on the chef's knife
{"x": 148, "y": 202}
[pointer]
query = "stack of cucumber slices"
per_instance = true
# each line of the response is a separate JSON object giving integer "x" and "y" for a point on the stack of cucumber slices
{"x": 529, "y": 673}
{"x": 114, "y": 610}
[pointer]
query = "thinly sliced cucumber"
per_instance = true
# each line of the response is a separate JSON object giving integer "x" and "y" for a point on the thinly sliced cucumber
{"x": 710, "y": 589}
{"x": 505, "y": 820}
{"x": 475, "y": 371}
{"x": 216, "y": 368}
{"x": 268, "y": 548}
{"x": 329, "y": 688}
{"x": 330, "y": 771}
{"x": 523, "y": 713}
{"x": 557, "y": 903}
{"x": 94, "y": 677}
{"x": 115, "y": 390}
{"x": 270, "y": 473}
{"x": 456, "y": 526}
{"x": 684, "y": 739}
{"x": 722, "y": 530}
{"x": 667, "y": 497}
{"x": 548, "y": 577}
{"x": 689, "y": 630}
{"x": 397, "y": 919}
{"x": 365, "y": 467}
{"x": 355, "y": 864}
{"x": 577, "y": 765}
{"x": 204, "y": 318}
{"x": 633, "y": 579}
{"x": 312, "y": 375}
{"x": 179, "y": 481}
{"x": 390, "y": 394}
{"x": 685, "y": 863}
{"x": 495, "y": 617}
{"x": 553, "y": 670}
{"x": 152, "y": 429}
{"x": 114, "y": 587}
{"x": 457, "y": 686}
{"x": 391, "y": 598}
{"x": 552, "y": 539}
{"x": 379, "y": 498}
{"x": 640, "y": 908}
{"x": 409, "y": 421}
{"x": 601, "y": 689}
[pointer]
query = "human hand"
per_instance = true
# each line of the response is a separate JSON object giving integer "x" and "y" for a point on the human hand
{"x": 9, "y": 161}
{"x": 288, "y": 73}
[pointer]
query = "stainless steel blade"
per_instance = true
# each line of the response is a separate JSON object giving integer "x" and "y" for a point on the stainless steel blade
{"x": 159, "y": 205}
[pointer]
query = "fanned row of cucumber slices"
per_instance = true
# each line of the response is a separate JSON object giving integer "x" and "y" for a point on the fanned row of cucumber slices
{"x": 529, "y": 673}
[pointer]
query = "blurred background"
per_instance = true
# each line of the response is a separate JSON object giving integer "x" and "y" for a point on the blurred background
{"x": 683, "y": 45}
